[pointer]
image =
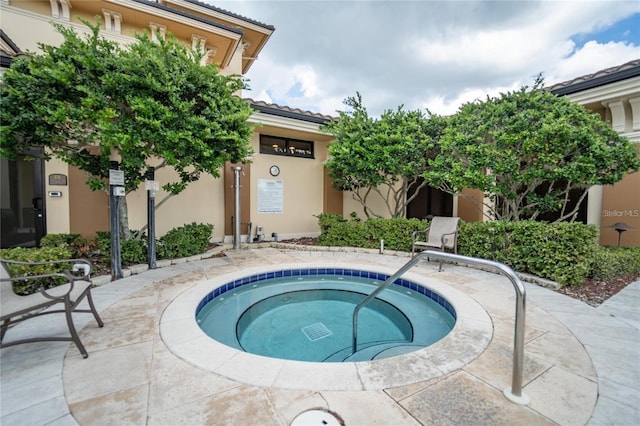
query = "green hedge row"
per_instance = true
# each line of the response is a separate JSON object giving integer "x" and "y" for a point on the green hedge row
{"x": 184, "y": 241}
{"x": 44, "y": 254}
{"x": 396, "y": 233}
{"x": 615, "y": 262}
{"x": 564, "y": 252}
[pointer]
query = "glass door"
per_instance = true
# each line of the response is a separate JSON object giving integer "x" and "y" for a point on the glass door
{"x": 22, "y": 201}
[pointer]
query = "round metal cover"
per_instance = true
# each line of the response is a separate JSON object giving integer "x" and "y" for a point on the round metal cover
{"x": 317, "y": 416}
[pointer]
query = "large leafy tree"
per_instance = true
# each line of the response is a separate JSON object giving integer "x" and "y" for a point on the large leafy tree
{"x": 530, "y": 151}
{"x": 151, "y": 104}
{"x": 384, "y": 156}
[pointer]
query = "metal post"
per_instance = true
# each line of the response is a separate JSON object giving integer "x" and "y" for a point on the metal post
{"x": 236, "y": 206}
{"x": 514, "y": 392}
{"x": 114, "y": 222}
{"x": 151, "y": 220}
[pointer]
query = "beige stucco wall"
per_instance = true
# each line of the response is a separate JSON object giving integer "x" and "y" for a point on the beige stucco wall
{"x": 200, "y": 202}
{"x": 57, "y": 207}
{"x": 29, "y": 23}
{"x": 621, "y": 204}
{"x": 375, "y": 203}
{"x": 618, "y": 103}
{"x": 302, "y": 183}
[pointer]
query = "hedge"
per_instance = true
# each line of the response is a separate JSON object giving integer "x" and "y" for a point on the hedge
{"x": 563, "y": 252}
{"x": 396, "y": 233}
{"x": 43, "y": 254}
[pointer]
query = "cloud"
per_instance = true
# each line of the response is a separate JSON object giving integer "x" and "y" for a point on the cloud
{"x": 425, "y": 54}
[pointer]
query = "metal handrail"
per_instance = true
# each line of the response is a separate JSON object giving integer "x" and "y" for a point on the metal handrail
{"x": 512, "y": 393}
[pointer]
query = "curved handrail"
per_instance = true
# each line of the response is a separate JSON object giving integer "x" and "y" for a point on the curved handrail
{"x": 512, "y": 393}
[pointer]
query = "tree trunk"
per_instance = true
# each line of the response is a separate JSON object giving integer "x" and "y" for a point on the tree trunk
{"x": 125, "y": 232}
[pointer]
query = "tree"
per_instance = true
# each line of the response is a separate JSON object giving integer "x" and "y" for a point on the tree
{"x": 385, "y": 156}
{"x": 527, "y": 150}
{"x": 152, "y": 104}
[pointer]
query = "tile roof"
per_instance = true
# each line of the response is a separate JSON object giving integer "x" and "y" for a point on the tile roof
{"x": 598, "y": 78}
{"x": 284, "y": 111}
{"x": 234, "y": 15}
{"x": 153, "y": 3}
{"x": 8, "y": 50}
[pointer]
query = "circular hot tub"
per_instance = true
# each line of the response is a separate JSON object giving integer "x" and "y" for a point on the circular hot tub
{"x": 307, "y": 315}
{"x": 373, "y": 366}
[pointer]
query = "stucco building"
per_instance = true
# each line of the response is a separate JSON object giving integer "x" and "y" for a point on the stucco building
{"x": 285, "y": 184}
{"x": 614, "y": 93}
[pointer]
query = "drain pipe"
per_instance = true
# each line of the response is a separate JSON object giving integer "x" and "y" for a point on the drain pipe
{"x": 236, "y": 206}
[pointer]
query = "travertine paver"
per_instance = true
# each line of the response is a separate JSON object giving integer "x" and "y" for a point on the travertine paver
{"x": 154, "y": 386}
{"x": 132, "y": 378}
{"x": 461, "y": 399}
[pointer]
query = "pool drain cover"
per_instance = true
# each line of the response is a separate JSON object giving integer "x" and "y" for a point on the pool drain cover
{"x": 316, "y": 331}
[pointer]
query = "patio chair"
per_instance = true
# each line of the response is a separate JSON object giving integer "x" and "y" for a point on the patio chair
{"x": 15, "y": 308}
{"x": 441, "y": 234}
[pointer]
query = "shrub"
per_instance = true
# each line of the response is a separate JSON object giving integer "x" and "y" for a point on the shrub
{"x": 562, "y": 252}
{"x": 396, "y": 232}
{"x": 80, "y": 247}
{"x": 132, "y": 251}
{"x": 36, "y": 255}
{"x": 184, "y": 241}
{"x": 60, "y": 240}
{"x": 615, "y": 262}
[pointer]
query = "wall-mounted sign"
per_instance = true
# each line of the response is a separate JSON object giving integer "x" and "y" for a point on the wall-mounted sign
{"x": 151, "y": 185}
{"x": 116, "y": 177}
{"x": 119, "y": 191}
{"x": 270, "y": 196}
{"x": 58, "y": 179}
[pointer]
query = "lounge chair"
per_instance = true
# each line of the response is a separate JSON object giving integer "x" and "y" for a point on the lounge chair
{"x": 441, "y": 234}
{"x": 15, "y": 308}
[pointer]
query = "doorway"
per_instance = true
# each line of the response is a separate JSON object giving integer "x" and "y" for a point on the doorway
{"x": 430, "y": 202}
{"x": 22, "y": 200}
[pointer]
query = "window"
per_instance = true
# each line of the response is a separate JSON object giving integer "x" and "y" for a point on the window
{"x": 289, "y": 147}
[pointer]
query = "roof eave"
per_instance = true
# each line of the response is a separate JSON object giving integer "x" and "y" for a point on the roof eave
{"x": 597, "y": 81}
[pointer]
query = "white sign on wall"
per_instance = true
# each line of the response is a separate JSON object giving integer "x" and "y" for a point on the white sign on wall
{"x": 116, "y": 177}
{"x": 270, "y": 196}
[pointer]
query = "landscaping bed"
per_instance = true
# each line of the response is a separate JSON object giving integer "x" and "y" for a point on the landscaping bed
{"x": 592, "y": 292}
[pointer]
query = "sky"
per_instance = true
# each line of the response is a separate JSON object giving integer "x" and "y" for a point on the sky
{"x": 423, "y": 54}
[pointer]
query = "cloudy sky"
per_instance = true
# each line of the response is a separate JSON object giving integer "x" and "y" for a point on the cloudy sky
{"x": 429, "y": 54}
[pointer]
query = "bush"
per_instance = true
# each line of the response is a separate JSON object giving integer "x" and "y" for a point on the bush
{"x": 80, "y": 247}
{"x": 563, "y": 252}
{"x": 187, "y": 240}
{"x": 132, "y": 251}
{"x": 36, "y": 255}
{"x": 615, "y": 262}
{"x": 60, "y": 240}
{"x": 396, "y": 232}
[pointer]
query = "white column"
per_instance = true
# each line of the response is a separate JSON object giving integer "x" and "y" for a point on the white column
{"x": 107, "y": 19}
{"x": 617, "y": 115}
{"x": 594, "y": 205}
{"x": 635, "y": 113}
